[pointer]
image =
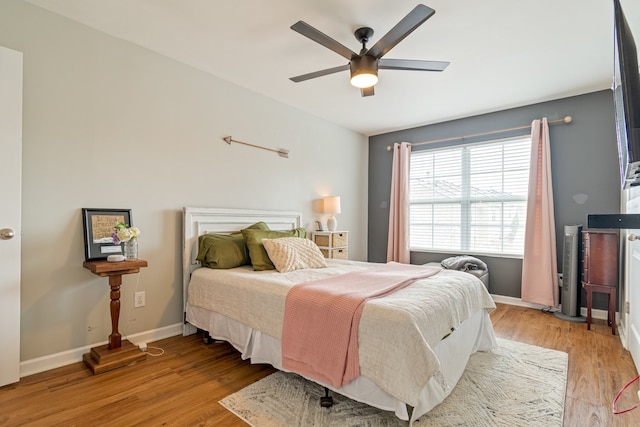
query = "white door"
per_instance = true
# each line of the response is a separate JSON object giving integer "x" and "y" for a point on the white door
{"x": 10, "y": 201}
{"x": 631, "y": 292}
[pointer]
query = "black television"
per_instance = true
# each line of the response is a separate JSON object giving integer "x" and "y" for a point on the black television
{"x": 626, "y": 90}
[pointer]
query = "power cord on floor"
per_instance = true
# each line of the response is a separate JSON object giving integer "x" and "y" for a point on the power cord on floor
{"x": 549, "y": 309}
{"x": 161, "y": 351}
{"x": 142, "y": 347}
{"x": 615, "y": 401}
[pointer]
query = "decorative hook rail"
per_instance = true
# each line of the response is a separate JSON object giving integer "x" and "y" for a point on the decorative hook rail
{"x": 281, "y": 151}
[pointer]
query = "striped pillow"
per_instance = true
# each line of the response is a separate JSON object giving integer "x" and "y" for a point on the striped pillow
{"x": 293, "y": 253}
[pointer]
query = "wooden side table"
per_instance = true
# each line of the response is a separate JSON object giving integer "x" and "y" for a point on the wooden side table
{"x": 332, "y": 244}
{"x": 600, "y": 270}
{"x": 117, "y": 352}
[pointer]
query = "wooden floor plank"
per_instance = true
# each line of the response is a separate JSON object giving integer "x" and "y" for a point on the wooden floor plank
{"x": 184, "y": 385}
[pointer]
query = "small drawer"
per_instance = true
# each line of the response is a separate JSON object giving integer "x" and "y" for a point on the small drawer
{"x": 335, "y": 253}
{"x": 339, "y": 253}
{"x": 339, "y": 239}
{"x": 321, "y": 239}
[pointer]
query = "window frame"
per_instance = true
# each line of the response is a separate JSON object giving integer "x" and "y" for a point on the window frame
{"x": 466, "y": 201}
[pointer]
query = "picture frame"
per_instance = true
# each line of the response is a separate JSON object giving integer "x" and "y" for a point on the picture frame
{"x": 98, "y": 224}
{"x": 319, "y": 226}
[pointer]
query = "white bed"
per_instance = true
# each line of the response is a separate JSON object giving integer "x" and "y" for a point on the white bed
{"x": 246, "y": 308}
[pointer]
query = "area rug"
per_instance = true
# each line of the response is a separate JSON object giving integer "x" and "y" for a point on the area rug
{"x": 515, "y": 385}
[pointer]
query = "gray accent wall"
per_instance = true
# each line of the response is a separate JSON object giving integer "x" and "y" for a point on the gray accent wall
{"x": 584, "y": 169}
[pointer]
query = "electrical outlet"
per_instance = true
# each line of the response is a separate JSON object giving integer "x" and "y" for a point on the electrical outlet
{"x": 139, "y": 299}
{"x": 560, "y": 279}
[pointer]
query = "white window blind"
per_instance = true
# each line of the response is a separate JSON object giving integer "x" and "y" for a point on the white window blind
{"x": 470, "y": 198}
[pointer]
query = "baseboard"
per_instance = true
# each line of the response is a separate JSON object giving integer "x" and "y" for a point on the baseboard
{"x": 622, "y": 333}
{"x": 595, "y": 313}
{"x": 634, "y": 345}
{"x": 44, "y": 363}
{"x": 515, "y": 301}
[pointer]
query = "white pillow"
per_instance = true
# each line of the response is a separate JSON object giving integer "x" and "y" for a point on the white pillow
{"x": 293, "y": 253}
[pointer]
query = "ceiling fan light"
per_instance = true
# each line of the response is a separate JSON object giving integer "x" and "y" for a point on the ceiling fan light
{"x": 364, "y": 80}
{"x": 364, "y": 71}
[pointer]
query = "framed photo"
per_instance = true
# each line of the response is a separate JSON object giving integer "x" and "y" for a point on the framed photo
{"x": 98, "y": 225}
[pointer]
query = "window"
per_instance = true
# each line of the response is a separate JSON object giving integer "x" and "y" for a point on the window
{"x": 470, "y": 198}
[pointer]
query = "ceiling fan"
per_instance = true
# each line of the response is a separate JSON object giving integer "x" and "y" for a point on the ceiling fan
{"x": 364, "y": 66}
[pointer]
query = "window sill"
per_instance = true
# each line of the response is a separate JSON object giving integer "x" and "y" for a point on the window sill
{"x": 475, "y": 254}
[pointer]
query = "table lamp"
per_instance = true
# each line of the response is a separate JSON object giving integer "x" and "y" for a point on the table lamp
{"x": 331, "y": 205}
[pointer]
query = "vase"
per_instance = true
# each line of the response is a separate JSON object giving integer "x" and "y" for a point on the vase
{"x": 131, "y": 249}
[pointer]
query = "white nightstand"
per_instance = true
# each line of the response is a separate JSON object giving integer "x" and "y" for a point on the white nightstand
{"x": 333, "y": 244}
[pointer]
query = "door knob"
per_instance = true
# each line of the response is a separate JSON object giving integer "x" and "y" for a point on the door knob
{"x": 7, "y": 234}
{"x": 633, "y": 237}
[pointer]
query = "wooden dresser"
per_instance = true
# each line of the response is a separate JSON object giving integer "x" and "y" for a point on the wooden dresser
{"x": 600, "y": 269}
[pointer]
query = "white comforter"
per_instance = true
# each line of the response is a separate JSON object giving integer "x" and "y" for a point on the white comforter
{"x": 396, "y": 332}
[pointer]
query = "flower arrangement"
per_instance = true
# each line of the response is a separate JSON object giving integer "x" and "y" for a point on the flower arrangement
{"x": 123, "y": 233}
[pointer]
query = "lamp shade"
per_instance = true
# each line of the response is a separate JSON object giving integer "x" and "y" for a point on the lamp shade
{"x": 331, "y": 205}
{"x": 364, "y": 71}
{"x": 364, "y": 80}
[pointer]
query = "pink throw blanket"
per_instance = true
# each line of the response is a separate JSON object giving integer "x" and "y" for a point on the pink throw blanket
{"x": 321, "y": 318}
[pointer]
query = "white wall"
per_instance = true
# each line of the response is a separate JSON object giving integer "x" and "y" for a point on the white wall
{"x": 108, "y": 124}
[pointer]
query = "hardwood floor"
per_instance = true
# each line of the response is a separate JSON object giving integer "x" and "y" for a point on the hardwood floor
{"x": 183, "y": 386}
{"x": 598, "y": 365}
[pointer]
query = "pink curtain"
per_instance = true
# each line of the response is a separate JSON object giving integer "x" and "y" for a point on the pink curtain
{"x": 398, "y": 244}
{"x": 539, "y": 266}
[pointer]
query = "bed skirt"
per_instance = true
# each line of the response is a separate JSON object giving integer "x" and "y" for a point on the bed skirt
{"x": 474, "y": 334}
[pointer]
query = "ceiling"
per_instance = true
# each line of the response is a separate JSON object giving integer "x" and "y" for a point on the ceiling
{"x": 503, "y": 53}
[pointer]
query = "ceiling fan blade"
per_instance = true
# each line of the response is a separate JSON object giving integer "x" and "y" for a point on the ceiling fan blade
{"x": 323, "y": 39}
{"x": 413, "y": 20}
{"x": 367, "y": 91}
{"x": 320, "y": 73}
{"x": 411, "y": 64}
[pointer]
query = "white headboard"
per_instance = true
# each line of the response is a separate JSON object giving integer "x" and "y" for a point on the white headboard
{"x": 198, "y": 221}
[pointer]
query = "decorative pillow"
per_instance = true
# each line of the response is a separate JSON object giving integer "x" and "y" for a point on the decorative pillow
{"x": 225, "y": 250}
{"x": 293, "y": 253}
{"x": 259, "y": 257}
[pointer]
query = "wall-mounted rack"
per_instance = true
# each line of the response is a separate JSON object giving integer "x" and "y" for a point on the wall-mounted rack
{"x": 281, "y": 151}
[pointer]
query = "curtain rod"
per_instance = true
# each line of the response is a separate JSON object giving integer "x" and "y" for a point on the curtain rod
{"x": 566, "y": 119}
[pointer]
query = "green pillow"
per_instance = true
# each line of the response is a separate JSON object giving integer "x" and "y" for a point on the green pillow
{"x": 258, "y": 254}
{"x": 225, "y": 250}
